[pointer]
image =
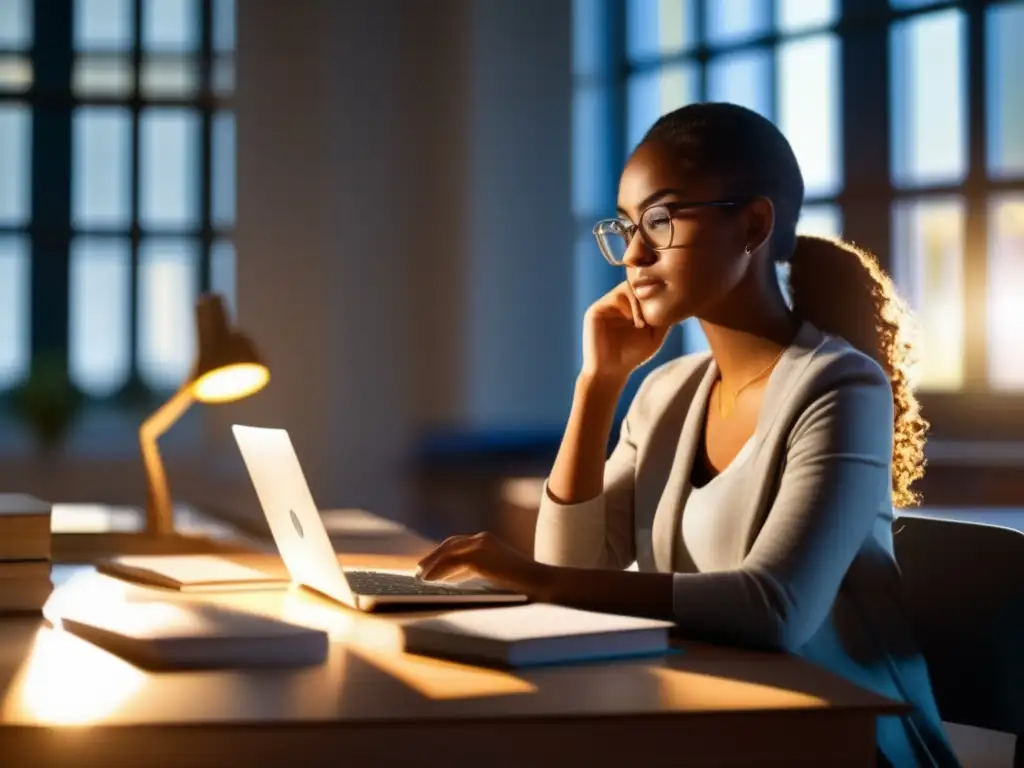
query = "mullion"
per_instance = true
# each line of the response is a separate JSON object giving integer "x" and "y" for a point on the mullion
{"x": 206, "y": 145}
{"x": 135, "y": 231}
{"x": 867, "y": 193}
{"x": 70, "y": 101}
{"x": 702, "y": 57}
{"x": 51, "y": 184}
{"x": 975, "y": 252}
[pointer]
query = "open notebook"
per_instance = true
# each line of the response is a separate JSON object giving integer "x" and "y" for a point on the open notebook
{"x": 534, "y": 634}
{"x": 190, "y": 573}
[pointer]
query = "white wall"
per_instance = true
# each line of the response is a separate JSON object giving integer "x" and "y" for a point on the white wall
{"x": 521, "y": 351}
{"x": 404, "y": 226}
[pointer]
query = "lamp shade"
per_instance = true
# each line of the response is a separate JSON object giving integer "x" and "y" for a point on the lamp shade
{"x": 228, "y": 366}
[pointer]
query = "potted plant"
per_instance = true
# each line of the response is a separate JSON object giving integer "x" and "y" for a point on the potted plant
{"x": 47, "y": 402}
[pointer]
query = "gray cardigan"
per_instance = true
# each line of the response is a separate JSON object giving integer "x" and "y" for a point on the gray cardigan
{"x": 808, "y": 542}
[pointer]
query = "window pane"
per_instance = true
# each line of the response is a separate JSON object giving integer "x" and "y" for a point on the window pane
{"x": 800, "y": 15}
{"x": 168, "y": 287}
{"x": 15, "y": 73}
{"x": 593, "y": 186}
{"x": 104, "y": 24}
{"x": 809, "y": 104}
{"x": 649, "y": 95}
{"x": 590, "y": 22}
{"x": 733, "y": 21}
{"x": 928, "y": 99}
{"x": 1005, "y": 288}
{"x": 223, "y": 170}
{"x": 223, "y": 275}
{"x": 169, "y": 77}
{"x": 224, "y": 26}
{"x": 15, "y": 145}
{"x": 223, "y": 75}
{"x": 109, "y": 76}
{"x": 100, "y": 293}
{"x": 742, "y": 78}
{"x": 15, "y": 24}
{"x": 824, "y": 220}
{"x": 1005, "y": 65}
{"x": 927, "y": 266}
{"x": 170, "y": 25}
{"x": 659, "y": 27}
{"x": 14, "y": 310}
{"x": 101, "y": 170}
{"x": 169, "y": 151}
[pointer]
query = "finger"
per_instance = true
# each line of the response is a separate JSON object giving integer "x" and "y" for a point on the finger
{"x": 634, "y": 306}
{"x": 439, "y": 553}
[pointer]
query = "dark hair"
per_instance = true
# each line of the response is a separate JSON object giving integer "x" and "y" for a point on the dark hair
{"x": 833, "y": 284}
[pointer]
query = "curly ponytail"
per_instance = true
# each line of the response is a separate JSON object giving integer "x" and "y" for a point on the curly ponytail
{"x": 842, "y": 290}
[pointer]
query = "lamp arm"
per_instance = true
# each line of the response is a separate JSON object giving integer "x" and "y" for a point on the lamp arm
{"x": 159, "y": 514}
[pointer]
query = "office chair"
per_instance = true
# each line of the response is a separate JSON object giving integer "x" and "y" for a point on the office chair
{"x": 964, "y": 589}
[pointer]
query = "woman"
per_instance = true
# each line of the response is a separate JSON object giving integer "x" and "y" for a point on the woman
{"x": 754, "y": 486}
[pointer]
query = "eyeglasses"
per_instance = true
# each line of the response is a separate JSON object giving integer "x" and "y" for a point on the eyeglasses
{"x": 656, "y": 228}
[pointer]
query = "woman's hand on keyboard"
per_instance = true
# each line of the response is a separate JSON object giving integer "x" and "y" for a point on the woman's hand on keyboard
{"x": 486, "y": 558}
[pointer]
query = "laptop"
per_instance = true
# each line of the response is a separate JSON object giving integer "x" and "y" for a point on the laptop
{"x": 306, "y": 549}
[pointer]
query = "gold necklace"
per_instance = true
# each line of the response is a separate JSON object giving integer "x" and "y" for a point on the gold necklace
{"x": 725, "y": 414}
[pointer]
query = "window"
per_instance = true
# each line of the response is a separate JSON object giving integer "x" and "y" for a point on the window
{"x": 117, "y": 208}
{"x": 907, "y": 117}
{"x": 957, "y": 117}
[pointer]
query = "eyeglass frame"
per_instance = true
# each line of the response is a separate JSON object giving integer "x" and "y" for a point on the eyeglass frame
{"x": 672, "y": 208}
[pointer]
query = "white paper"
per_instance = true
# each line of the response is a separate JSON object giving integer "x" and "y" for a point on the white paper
{"x": 537, "y": 620}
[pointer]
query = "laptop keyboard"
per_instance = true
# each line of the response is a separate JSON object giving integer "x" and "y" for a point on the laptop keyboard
{"x": 381, "y": 583}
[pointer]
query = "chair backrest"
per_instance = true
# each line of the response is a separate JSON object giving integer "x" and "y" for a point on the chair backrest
{"x": 964, "y": 589}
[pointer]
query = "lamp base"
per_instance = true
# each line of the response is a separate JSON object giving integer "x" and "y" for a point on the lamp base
{"x": 80, "y": 548}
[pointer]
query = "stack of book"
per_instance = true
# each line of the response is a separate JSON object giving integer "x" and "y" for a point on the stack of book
{"x": 24, "y": 553}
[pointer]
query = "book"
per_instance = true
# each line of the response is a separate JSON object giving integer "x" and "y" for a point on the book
{"x": 164, "y": 635}
{"x": 24, "y": 527}
{"x": 24, "y": 595}
{"x": 539, "y": 633}
{"x": 24, "y": 569}
{"x": 190, "y": 573}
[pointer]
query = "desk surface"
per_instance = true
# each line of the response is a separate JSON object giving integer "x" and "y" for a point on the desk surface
{"x": 51, "y": 678}
{"x": 48, "y": 677}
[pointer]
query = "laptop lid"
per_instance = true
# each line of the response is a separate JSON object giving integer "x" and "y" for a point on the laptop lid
{"x": 291, "y": 513}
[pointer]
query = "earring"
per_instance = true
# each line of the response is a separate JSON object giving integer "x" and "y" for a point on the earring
{"x": 746, "y": 250}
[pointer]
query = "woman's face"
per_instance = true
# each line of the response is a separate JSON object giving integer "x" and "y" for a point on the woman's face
{"x": 707, "y": 256}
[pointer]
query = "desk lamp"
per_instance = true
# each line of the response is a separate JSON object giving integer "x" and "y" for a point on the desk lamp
{"x": 227, "y": 368}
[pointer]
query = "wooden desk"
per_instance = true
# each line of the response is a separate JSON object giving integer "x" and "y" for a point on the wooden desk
{"x": 65, "y": 702}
